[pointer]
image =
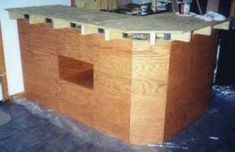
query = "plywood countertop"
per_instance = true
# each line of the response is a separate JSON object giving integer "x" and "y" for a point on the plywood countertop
{"x": 166, "y": 23}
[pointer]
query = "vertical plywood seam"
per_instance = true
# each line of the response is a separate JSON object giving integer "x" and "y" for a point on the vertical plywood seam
{"x": 168, "y": 78}
{"x": 129, "y": 136}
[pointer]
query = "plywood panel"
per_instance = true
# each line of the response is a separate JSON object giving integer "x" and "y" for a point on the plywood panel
{"x": 190, "y": 81}
{"x": 112, "y": 115}
{"x": 142, "y": 93}
{"x": 112, "y": 85}
{"x": 43, "y": 38}
{"x": 147, "y": 119}
{"x": 76, "y": 102}
{"x": 113, "y": 62}
{"x": 108, "y": 109}
{"x": 82, "y": 47}
{"x": 41, "y": 78}
{"x": 149, "y": 91}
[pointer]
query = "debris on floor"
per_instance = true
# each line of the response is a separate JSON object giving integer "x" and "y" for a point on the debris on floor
{"x": 33, "y": 128}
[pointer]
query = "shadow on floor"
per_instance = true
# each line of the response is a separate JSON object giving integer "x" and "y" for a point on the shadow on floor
{"x": 33, "y": 132}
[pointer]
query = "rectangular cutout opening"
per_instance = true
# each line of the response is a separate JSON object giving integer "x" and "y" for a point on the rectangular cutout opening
{"x": 75, "y": 26}
{"x": 48, "y": 20}
{"x": 75, "y": 71}
{"x": 26, "y": 17}
{"x": 101, "y": 31}
{"x": 125, "y": 35}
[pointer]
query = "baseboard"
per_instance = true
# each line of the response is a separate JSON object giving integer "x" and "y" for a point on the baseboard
{"x": 9, "y": 98}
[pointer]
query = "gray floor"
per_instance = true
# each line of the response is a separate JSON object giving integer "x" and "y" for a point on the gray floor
{"x": 28, "y": 132}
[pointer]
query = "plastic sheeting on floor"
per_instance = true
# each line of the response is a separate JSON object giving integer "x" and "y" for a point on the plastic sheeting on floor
{"x": 37, "y": 129}
{"x": 4, "y": 118}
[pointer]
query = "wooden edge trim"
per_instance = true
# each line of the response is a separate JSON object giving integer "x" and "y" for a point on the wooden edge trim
{"x": 204, "y": 31}
{"x": 222, "y": 26}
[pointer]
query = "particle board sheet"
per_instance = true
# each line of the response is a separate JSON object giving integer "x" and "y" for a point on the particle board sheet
{"x": 81, "y": 15}
{"x": 160, "y": 23}
{"x": 96, "y": 4}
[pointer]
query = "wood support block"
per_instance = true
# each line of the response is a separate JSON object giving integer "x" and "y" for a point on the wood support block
{"x": 141, "y": 93}
{"x": 113, "y": 34}
{"x": 185, "y": 37}
{"x": 89, "y": 29}
{"x": 222, "y": 26}
{"x": 35, "y": 19}
{"x": 16, "y": 15}
{"x": 60, "y": 24}
{"x": 204, "y": 31}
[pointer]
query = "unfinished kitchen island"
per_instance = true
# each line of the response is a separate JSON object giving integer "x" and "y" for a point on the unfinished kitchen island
{"x": 140, "y": 79}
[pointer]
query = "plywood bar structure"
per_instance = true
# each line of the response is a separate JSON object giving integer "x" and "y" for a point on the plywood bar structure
{"x": 96, "y": 71}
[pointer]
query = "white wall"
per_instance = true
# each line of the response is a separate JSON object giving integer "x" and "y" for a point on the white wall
{"x": 1, "y": 93}
{"x": 11, "y": 40}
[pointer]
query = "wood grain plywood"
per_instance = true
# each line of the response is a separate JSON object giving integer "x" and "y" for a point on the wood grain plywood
{"x": 41, "y": 78}
{"x": 149, "y": 91}
{"x": 44, "y": 38}
{"x": 108, "y": 112}
{"x": 112, "y": 87}
{"x": 40, "y": 67}
{"x": 113, "y": 62}
{"x": 112, "y": 115}
{"x": 82, "y": 47}
{"x": 141, "y": 94}
{"x": 76, "y": 101}
{"x": 190, "y": 80}
{"x": 147, "y": 119}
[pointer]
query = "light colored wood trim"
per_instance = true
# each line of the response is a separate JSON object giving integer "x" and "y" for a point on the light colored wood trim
{"x": 222, "y": 26}
{"x": 204, "y": 31}
{"x": 113, "y": 34}
{"x": 152, "y": 38}
{"x": 89, "y": 29}
{"x": 16, "y": 15}
{"x": 35, "y": 19}
{"x": 60, "y": 24}
{"x": 185, "y": 37}
{"x": 12, "y": 97}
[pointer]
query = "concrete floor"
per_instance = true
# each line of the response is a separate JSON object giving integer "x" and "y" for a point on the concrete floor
{"x": 42, "y": 132}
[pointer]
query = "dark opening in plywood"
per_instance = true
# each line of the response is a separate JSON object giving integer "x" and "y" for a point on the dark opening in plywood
{"x": 76, "y": 71}
{"x": 48, "y": 20}
{"x": 26, "y": 17}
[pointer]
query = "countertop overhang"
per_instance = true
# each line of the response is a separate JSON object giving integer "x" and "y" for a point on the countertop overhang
{"x": 167, "y": 26}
